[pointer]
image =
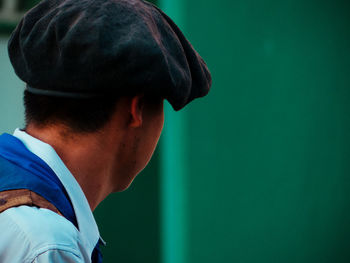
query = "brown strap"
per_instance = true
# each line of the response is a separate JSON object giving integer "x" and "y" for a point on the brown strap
{"x": 14, "y": 198}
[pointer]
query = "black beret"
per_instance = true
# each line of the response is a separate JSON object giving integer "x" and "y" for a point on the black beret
{"x": 86, "y": 48}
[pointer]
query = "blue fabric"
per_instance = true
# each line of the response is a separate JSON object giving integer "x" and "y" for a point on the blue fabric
{"x": 21, "y": 169}
{"x": 96, "y": 256}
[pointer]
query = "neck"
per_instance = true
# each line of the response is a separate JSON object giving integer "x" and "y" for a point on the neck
{"x": 89, "y": 157}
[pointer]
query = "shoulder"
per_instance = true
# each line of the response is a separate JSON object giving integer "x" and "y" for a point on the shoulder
{"x": 27, "y": 232}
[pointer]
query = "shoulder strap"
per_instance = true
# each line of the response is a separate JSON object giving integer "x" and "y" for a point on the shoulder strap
{"x": 14, "y": 198}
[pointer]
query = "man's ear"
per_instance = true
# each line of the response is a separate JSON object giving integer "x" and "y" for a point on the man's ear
{"x": 136, "y": 111}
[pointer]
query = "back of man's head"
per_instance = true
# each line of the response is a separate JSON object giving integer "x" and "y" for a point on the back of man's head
{"x": 92, "y": 50}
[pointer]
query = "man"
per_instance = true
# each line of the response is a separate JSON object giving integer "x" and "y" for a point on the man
{"x": 97, "y": 72}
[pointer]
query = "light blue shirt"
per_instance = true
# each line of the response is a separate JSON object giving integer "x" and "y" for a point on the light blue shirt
{"x": 30, "y": 234}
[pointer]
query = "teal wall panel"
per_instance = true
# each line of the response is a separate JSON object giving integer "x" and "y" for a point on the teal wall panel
{"x": 11, "y": 93}
{"x": 269, "y": 147}
{"x": 174, "y": 176}
{"x": 173, "y": 185}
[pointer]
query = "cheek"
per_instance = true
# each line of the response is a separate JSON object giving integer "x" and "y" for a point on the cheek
{"x": 150, "y": 139}
{"x": 158, "y": 128}
{"x": 154, "y": 135}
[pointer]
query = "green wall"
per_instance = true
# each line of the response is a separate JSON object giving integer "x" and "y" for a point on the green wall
{"x": 268, "y": 149}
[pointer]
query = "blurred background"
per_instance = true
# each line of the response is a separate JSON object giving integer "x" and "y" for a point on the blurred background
{"x": 258, "y": 171}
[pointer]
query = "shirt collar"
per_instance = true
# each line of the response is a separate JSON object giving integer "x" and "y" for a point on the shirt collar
{"x": 86, "y": 222}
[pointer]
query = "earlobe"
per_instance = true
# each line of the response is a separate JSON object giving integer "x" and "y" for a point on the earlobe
{"x": 136, "y": 111}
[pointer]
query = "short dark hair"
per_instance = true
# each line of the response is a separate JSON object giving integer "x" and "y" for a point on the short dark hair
{"x": 79, "y": 115}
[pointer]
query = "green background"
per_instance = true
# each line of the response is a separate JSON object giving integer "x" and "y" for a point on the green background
{"x": 269, "y": 148}
{"x": 258, "y": 171}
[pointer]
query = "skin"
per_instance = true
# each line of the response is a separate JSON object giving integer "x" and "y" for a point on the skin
{"x": 108, "y": 160}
